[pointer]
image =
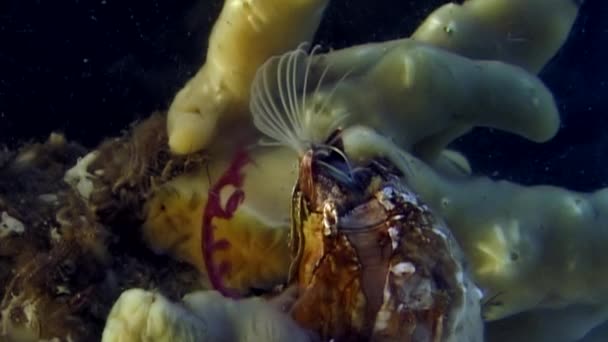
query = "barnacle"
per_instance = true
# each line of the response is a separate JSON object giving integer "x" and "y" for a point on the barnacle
{"x": 373, "y": 262}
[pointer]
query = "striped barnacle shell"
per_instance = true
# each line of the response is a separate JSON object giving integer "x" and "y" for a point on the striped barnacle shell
{"x": 371, "y": 260}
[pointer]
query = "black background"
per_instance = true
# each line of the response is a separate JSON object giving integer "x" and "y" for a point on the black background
{"x": 88, "y": 68}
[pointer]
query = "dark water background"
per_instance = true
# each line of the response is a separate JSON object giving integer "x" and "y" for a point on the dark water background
{"x": 88, "y": 68}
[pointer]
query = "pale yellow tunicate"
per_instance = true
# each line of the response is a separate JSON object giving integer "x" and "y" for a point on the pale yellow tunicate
{"x": 433, "y": 96}
{"x": 420, "y": 96}
{"x": 526, "y": 33}
{"x": 529, "y": 247}
{"x": 246, "y": 34}
{"x": 568, "y": 324}
{"x": 140, "y": 315}
{"x": 257, "y": 233}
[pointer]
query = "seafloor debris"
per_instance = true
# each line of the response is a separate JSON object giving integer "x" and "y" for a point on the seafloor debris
{"x": 62, "y": 262}
{"x": 126, "y": 170}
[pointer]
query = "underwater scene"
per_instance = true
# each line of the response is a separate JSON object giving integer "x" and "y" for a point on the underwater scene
{"x": 303, "y": 170}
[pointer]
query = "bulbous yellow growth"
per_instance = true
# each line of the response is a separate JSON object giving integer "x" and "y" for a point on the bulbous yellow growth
{"x": 521, "y": 32}
{"x": 246, "y": 34}
{"x": 528, "y": 248}
{"x": 257, "y": 233}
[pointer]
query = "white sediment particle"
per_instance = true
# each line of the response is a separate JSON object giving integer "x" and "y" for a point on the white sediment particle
{"x": 79, "y": 177}
{"x": 409, "y": 197}
{"x": 385, "y": 198}
{"x": 330, "y": 218}
{"x": 9, "y": 224}
{"x": 459, "y": 277}
{"x": 55, "y": 236}
{"x": 403, "y": 268}
{"x": 393, "y": 232}
{"x": 62, "y": 290}
{"x": 441, "y": 233}
{"x": 478, "y": 292}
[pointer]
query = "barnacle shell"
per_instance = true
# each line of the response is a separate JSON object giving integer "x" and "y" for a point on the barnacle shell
{"x": 373, "y": 262}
